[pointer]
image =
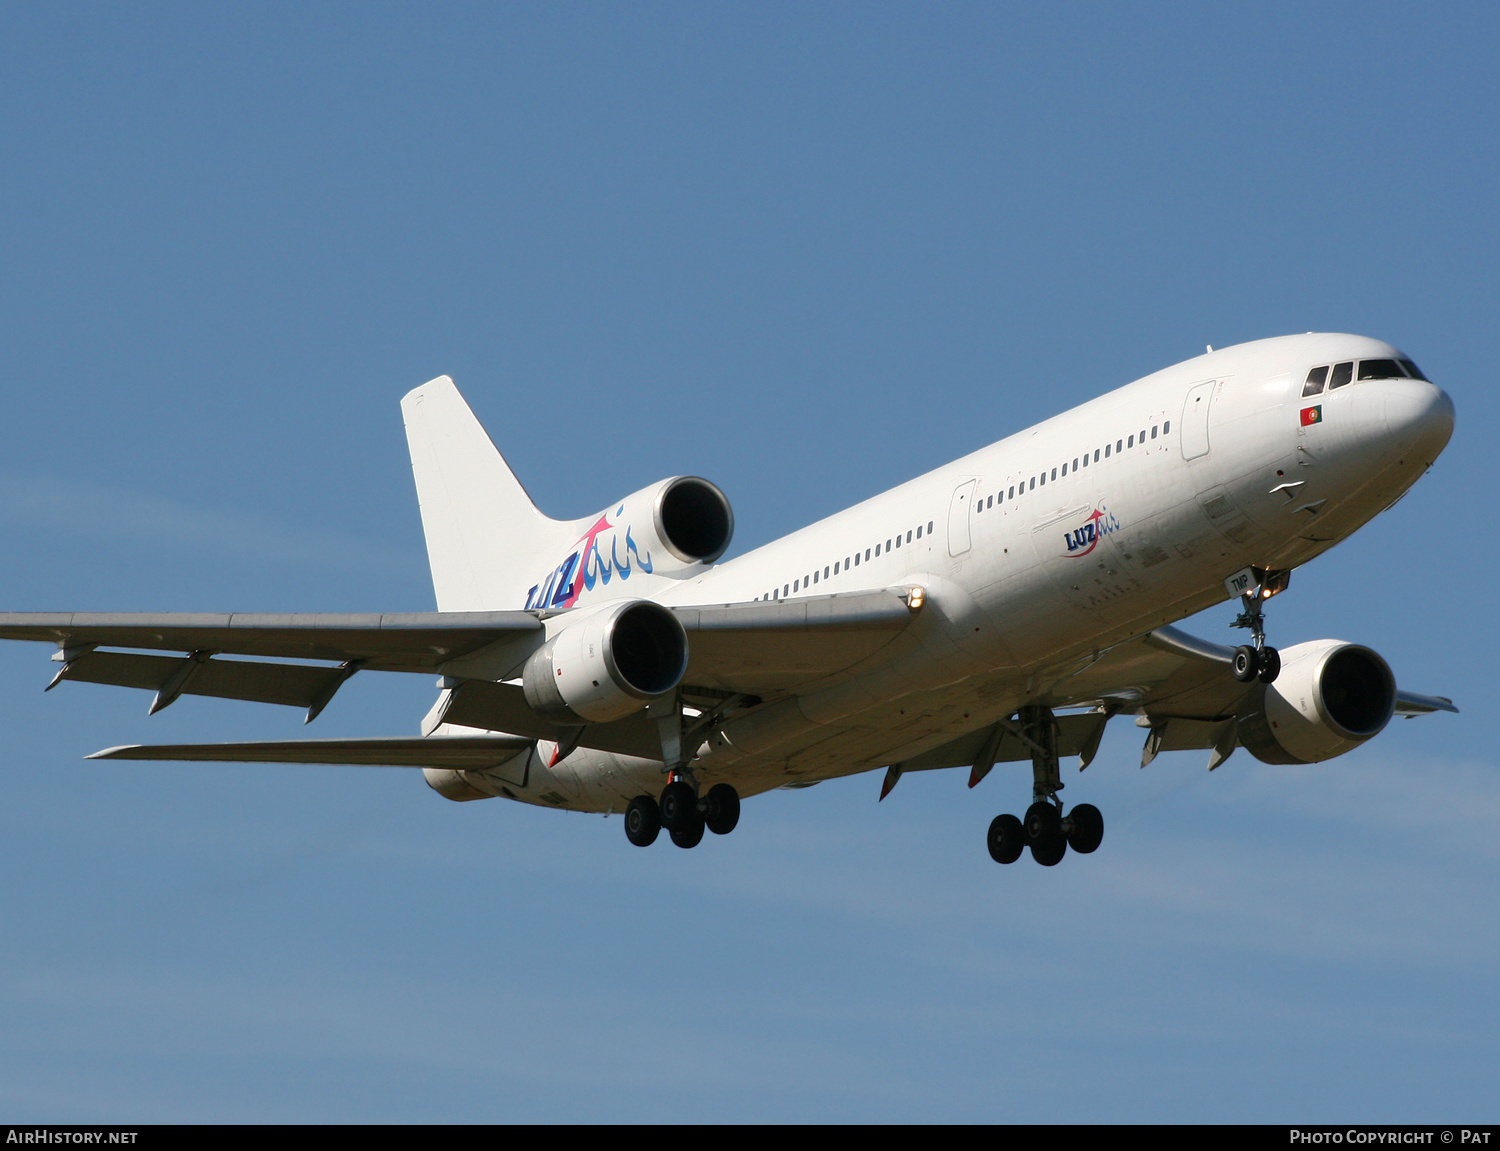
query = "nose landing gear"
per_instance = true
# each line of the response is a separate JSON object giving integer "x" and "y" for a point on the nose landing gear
{"x": 1255, "y": 660}
{"x": 1046, "y": 830}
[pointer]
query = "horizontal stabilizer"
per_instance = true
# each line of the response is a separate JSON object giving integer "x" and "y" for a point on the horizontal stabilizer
{"x": 460, "y": 752}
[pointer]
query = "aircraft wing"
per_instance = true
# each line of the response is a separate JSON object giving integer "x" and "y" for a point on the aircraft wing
{"x": 1178, "y": 686}
{"x": 413, "y": 642}
{"x": 1170, "y": 674}
{"x": 735, "y": 649}
{"x": 472, "y": 752}
{"x": 772, "y": 645}
{"x": 1182, "y": 691}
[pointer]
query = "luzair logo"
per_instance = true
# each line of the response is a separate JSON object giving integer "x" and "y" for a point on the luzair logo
{"x": 587, "y": 566}
{"x": 1082, "y": 540}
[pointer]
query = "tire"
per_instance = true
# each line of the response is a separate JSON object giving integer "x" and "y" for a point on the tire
{"x": 679, "y": 803}
{"x": 722, "y": 809}
{"x": 1246, "y": 663}
{"x": 1006, "y": 839}
{"x": 1043, "y": 824}
{"x": 642, "y": 821}
{"x": 1270, "y": 665}
{"x": 1050, "y": 854}
{"x": 688, "y": 833}
{"x": 1088, "y": 828}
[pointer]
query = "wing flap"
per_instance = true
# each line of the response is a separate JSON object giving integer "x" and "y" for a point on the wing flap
{"x": 460, "y": 752}
{"x": 290, "y": 684}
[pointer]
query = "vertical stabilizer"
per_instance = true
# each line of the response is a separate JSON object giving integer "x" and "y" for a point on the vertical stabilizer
{"x": 484, "y": 535}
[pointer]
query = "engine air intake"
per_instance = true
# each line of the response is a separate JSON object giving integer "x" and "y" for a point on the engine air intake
{"x": 693, "y": 519}
{"x": 648, "y": 649}
{"x": 1357, "y": 691}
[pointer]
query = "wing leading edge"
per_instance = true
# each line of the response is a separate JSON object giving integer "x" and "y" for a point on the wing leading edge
{"x": 472, "y": 752}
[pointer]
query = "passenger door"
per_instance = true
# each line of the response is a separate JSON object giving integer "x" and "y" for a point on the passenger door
{"x": 1195, "y": 420}
{"x": 959, "y": 513}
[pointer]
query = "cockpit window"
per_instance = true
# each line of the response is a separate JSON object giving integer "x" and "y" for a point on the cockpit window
{"x": 1380, "y": 370}
{"x": 1342, "y": 374}
{"x": 1315, "y": 381}
{"x": 1412, "y": 370}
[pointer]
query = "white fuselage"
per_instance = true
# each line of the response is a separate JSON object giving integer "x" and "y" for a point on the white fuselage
{"x": 1040, "y": 550}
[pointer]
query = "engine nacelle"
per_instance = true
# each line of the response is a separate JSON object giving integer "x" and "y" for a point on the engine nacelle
{"x": 608, "y": 665}
{"x": 681, "y": 523}
{"x": 673, "y": 528}
{"x": 1330, "y": 697}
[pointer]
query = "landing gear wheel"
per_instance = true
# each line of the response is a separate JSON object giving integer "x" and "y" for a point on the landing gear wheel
{"x": 1042, "y": 822}
{"x": 1044, "y": 834}
{"x": 642, "y": 821}
{"x": 721, "y": 809}
{"x": 1088, "y": 828}
{"x": 1270, "y": 664}
{"x": 1006, "y": 839}
{"x": 1050, "y": 854}
{"x": 688, "y": 833}
{"x": 679, "y": 806}
{"x": 1246, "y": 663}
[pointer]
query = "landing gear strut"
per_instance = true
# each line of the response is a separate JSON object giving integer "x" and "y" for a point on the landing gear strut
{"x": 1255, "y": 660}
{"x": 1046, "y": 830}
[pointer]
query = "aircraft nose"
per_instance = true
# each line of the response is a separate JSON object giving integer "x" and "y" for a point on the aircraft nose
{"x": 1418, "y": 416}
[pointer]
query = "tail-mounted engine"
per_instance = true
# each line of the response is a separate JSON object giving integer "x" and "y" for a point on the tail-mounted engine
{"x": 684, "y": 519}
{"x": 608, "y": 665}
{"x": 673, "y": 528}
{"x": 1330, "y": 697}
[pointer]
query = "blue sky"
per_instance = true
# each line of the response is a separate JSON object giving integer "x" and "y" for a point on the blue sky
{"x": 808, "y": 251}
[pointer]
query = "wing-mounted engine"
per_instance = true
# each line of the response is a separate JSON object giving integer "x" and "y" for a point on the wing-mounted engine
{"x": 673, "y": 528}
{"x": 1330, "y": 697}
{"x": 608, "y": 665}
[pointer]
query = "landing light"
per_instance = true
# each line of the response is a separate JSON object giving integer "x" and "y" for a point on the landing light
{"x": 915, "y": 598}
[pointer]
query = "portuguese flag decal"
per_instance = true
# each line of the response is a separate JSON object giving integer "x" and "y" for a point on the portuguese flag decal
{"x": 1313, "y": 415}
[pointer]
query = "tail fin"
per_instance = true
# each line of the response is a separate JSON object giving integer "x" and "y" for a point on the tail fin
{"x": 484, "y": 535}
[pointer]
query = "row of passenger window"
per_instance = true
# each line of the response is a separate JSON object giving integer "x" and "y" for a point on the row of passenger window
{"x": 1337, "y": 375}
{"x": 1079, "y": 462}
{"x": 802, "y": 583}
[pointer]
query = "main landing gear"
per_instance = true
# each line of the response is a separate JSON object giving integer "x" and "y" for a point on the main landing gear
{"x": 682, "y": 813}
{"x": 1255, "y": 660}
{"x": 1046, "y": 830}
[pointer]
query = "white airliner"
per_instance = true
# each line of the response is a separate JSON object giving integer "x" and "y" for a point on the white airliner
{"x": 1002, "y": 608}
